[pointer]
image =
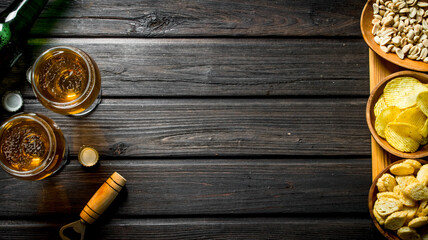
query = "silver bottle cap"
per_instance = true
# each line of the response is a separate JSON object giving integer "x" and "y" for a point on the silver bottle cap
{"x": 12, "y": 101}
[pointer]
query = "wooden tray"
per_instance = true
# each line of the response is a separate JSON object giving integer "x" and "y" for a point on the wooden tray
{"x": 379, "y": 69}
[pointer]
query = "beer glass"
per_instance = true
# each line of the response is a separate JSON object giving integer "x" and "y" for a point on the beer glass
{"x": 66, "y": 80}
{"x": 32, "y": 146}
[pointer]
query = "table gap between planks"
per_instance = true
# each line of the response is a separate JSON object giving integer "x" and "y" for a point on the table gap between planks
{"x": 229, "y": 119}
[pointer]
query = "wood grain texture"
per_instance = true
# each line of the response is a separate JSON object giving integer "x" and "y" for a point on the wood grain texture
{"x": 187, "y": 187}
{"x": 379, "y": 69}
{"x": 218, "y": 127}
{"x": 229, "y": 119}
{"x": 203, "y": 228}
{"x": 219, "y": 67}
{"x": 138, "y": 18}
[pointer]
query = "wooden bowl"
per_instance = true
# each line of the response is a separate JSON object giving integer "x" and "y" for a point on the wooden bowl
{"x": 366, "y": 30}
{"x": 373, "y": 197}
{"x": 370, "y": 117}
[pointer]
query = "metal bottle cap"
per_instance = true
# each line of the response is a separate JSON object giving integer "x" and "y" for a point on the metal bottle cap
{"x": 12, "y": 101}
{"x": 88, "y": 156}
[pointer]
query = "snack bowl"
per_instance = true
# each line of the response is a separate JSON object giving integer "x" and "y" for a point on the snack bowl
{"x": 370, "y": 116}
{"x": 366, "y": 30}
{"x": 389, "y": 234}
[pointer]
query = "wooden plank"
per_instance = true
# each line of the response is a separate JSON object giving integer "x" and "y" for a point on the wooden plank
{"x": 379, "y": 69}
{"x": 220, "y": 67}
{"x": 198, "y": 187}
{"x": 218, "y": 127}
{"x": 203, "y": 228}
{"x": 149, "y": 18}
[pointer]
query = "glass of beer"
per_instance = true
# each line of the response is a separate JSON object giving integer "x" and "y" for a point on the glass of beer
{"x": 32, "y": 146}
{"x": 66, "y": 80}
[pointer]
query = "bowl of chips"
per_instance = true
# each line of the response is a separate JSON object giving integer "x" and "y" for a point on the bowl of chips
{"x": 398, "y": 200}
{"x": 396, "y": 114}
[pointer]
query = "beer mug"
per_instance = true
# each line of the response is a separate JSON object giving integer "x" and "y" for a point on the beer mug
{"x": 32, "y": 146}
{"x": 66, "y": 80}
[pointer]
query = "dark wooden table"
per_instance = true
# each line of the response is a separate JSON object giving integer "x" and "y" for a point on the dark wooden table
{"x": 229, "y": 119}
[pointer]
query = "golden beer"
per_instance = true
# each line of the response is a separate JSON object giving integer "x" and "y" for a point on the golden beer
{"x": 66, "y": 80}
{"x": 32, "y": 146}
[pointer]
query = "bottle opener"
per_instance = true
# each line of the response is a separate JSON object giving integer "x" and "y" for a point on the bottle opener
{"x": 96, "y": 205}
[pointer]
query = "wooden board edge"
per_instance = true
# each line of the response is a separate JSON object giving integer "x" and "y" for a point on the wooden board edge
{"x": 379, "y": 69}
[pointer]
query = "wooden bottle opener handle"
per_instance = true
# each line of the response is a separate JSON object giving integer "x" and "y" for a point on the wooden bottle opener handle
{"x": 102, "y": 198}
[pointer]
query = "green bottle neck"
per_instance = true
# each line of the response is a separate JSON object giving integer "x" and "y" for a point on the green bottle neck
{"x": 21, "y": 14}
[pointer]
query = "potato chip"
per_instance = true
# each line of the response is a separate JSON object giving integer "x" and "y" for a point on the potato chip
{"x": 403, "y": 136}
{"x": 403, "y": 91}
{"x": 424, "y": 141}
{"x": 380, "y": 106}
{"x": 402, "y": 101}
{"x": 407, "y": 130}
{"x": 388, "y": 115}
{"x": 412, "y": 116}
{"x": 424, "y": 130}
{"x": 422, "y": 102}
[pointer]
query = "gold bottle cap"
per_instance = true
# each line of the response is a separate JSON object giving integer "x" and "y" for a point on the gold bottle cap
{"x": 12, "y": 101}
{"x": 88, "y": 156}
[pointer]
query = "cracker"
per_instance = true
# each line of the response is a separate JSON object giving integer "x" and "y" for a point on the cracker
{"x": 387, "y": 206}
{"x": 422, "y": 175}
{"x": 402, "y": 200}
{"x": 418, "y": 222}
{"x": 415, "y": 164}
{"x": 422, "y": 209}
{"x": 381, "y": 186}
{"x": 378, "y": 217}
{"x": 404, "y": 181}
{"x": 411, "y": 212}
{"x": 388, "y": 181}
{"x": 408, "y": 233}
{"x": 407, "y": 201}
{"x": 394, "y": 194}
{"x": 395, "y": 220}
{"x": 416, "y": 191}
{"x": 402, "y": 169}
